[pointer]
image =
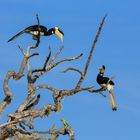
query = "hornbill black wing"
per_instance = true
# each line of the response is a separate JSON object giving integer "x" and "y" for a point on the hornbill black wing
{"x": 105, "y": 80}
{"x": 15, "y": 36}
{"x": 27, "y": 30}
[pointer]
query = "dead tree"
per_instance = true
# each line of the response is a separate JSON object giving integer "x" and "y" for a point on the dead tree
{"x": 25, "y": 114}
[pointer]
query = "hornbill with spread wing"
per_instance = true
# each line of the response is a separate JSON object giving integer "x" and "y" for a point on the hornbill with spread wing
{"x": 36, "y": 30}
{"x": 107, "y": 83}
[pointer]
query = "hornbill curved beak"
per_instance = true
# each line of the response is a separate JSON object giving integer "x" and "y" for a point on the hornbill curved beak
{"x": 59, "y": 33}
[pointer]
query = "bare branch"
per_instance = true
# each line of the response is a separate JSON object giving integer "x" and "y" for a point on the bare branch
{"x": 38, "y": 22}
{"x": 10, "y": 123}
{"x": 51, "y": 66}
{"x": 20, "y": 134}
{"x": 7, "y": 92}
{"x": 57, "y": 54}
{"x": 47, "y": 59}
{"x": 34, "y": 54}
{"x": 44, "y": 66}
{"x": 43, "y": 86}
{"x": 51, "y": 131}
{"x": 16, "y": 76}
{"x": 67, "y": 59}
{"x": 28, "y": 100}
{"x": 91, "y": 52}
{"x": 21, "y": 49}
{"x": 99, "y": 91}
{"x": 29, "y": 48}
{"x": 72, "y": 69}
{"x": 28, "y": 114}
{"x": 32, "y": 105}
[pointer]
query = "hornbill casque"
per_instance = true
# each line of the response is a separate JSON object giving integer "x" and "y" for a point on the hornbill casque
{"x": 34, "y": 31}
{"x": 107, "y": 83}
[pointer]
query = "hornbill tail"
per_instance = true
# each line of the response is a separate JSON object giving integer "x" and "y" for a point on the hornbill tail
{"x": 112, "y": 101}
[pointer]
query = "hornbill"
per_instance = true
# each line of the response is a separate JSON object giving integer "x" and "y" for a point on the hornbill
{"x": 36, "y": 30}
{"x": 106, "y": 83}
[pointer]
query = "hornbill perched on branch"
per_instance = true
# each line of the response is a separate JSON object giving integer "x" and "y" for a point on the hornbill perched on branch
{"x": 41, "y": 30}
{"x": 107, "y": 83}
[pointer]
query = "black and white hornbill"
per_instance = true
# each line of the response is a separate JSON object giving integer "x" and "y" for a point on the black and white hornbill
{"x": 34, "y": 31}
{"x": 108, "y": 84}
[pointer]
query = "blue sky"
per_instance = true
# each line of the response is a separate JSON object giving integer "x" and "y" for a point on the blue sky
{"x": 118, "y": 49}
